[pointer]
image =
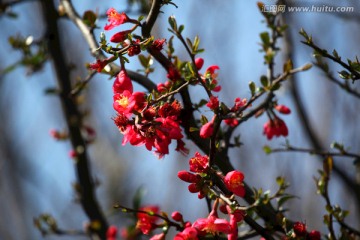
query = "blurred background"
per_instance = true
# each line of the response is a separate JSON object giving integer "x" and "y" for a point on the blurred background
{"x": 37, "y": 174}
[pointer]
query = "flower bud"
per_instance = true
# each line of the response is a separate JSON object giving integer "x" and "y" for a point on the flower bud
{"x": 199, "y": 62}
{"x": 300, "y": 229}
{"x": 177, "y": 216}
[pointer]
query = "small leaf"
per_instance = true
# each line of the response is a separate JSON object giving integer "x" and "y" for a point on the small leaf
{"x": 89, "y": 18}
{"x": 288, "y": 66}
{"x": 284, "y": 199}
{"x": 267, "y": 149}
{"x": 181, "y": 28}
{"x": 252, "y": 88}
{"x": 264, "y": 81}
{"x": 172, "y": 22}
{"x": 189, "y": 43}
{"x": 336, "y": 55}
{"x": 344, "y": 74}
{"x": 203, "y": 120}
{"x": 265, "y": 38}
{"x": 196, "y": 44}
{"x": 193, "y": 129}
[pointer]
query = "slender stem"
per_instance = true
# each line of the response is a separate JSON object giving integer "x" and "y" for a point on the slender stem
{"x": 316, "y": 152}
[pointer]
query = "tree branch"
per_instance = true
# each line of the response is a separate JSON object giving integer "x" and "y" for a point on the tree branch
{"x": 73, "y": 119}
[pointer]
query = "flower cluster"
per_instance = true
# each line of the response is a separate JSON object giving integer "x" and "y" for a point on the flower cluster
{"x": 198, "y": 164}
{"x": 154, "y": 126}
{"x": 146, "y": 219}
{"x": 276, "y": 126}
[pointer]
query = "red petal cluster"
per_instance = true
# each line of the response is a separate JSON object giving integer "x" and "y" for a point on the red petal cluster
{"x": 299, "y": 229}
{"x": 155, "y": 127}
{"x": 276, "y": 127}
{"x": 199, "y": 164}
{"x": 234, "y": 182}
{"x": 145, "y": 222}
{"x": 115, "y": 19}
{"x": 212, "y": 224}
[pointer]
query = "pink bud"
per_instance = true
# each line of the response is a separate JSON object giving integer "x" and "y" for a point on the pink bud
{"x": 207, "y": 130}
{"x": 283, "y": 109}
{"x": 199, "y": 62}
{"x": 177, "y": 216}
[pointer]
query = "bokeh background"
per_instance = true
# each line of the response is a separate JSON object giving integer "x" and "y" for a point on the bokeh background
{"x": 37, "y": 175}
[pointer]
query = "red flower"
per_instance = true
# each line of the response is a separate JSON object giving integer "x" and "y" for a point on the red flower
{"x": 115, "y": 19}
{"x": 122, "y": 83}
{"x": 146, "y": 223}
{"x": 157, "y": 45}
{"x": 213, "y": 103}
{"x": 111, "y": 233}
{"x": 169, "y": 110}
{"x": 99, "y": 65}
{"x": 134, "y": 49}
{"x": 283, "y": 109}
{"x": 314, "y": 235}
{"x": 173, "y": 74}
{"x": 121, "y": 121}
{"x": 199, "y": 163}
{"x": 239, "y": 103}
{"x": 120, "y": 36}
{"x": 212, "y": 224}
{"x": 300, "y": 229}
{"x": 232, "y": 122}
{"x": 207, "y": 130}
{"x": 188, "y": 233}
{"x": 211, "y": 70}
{"x": 234, "y": 182}
{"x": 123, "y": 103}
{"x": 199, "y": 62}
{"x": 276, "y": 127}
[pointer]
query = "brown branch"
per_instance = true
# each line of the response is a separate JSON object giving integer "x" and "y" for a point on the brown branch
{"x": 73, "y": 119}
{"x": 316, "y": 152}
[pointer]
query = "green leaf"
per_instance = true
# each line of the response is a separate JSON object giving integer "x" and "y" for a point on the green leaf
{"x": 196, "y": 44}
{"x": 284, "y": 199}
{"x": 288, "y": 66}
{"x": 172, "y": 22}
{"x": 10, "y": 68}
{"x": 265, "y": 38}
{"x": 267, "y": 149}
{"x": 193, "y": 129}
{"x": 141, "y": 17}
{"x": 203, "y": 120}
{"x": 189, "y": 43}
{"x": 143, "y": 60}
{"x": 252, "y": 88}
{"x": 264, "y": 81}
{"x": 336, "y": 55}
{"x": 181, "y": 28}
{"x": 89, "y": 18}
